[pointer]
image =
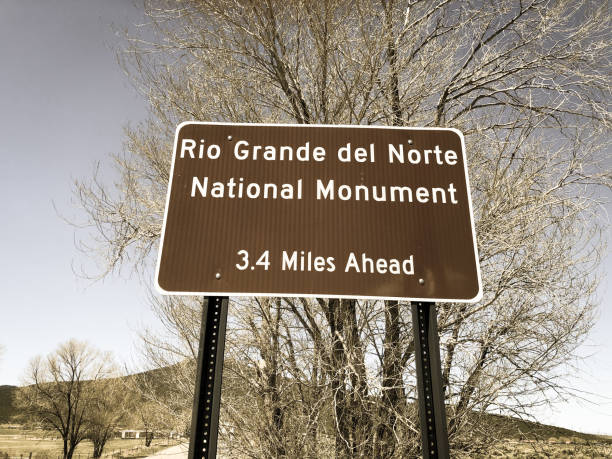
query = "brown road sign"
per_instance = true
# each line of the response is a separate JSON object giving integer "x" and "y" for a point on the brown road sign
{"x": 330, "y": 211}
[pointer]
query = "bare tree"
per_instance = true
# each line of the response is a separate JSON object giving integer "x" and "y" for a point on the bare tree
{"x": 528, "y": 84}
{"x": 63, "y": 389}
{"x": 166, "y": 392}
{"x": 160, "y": 402}
{"x": 147, "y": 414}
{"x": 107, "y": 408}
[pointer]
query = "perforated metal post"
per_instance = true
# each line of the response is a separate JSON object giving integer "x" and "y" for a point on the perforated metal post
{"x": 207, "y": 398}
{"x": 434, "y": 435}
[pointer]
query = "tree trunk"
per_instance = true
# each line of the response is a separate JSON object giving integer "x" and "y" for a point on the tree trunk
{"x": 277, "y": 411}
{"x": 468, "y": 389}
{"x": 393, "y": 395}
{"x": 149, "y": 438}
{"x": 361, "y": 420}
{"x": 68, "y": 453}
{"x": 338, "y": 373}
{"x": 450, "y": 349}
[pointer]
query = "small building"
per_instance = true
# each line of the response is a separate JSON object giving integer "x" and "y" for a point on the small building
{"x": 130, "y": 433}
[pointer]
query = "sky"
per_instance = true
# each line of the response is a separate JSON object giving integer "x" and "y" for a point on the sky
{"x": 64, "y": 102}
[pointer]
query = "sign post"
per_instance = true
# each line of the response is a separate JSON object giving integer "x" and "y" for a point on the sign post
{"x": 207, "y": 394}
{"x": 434, "y": 436}
{"x": 319, "y": 211}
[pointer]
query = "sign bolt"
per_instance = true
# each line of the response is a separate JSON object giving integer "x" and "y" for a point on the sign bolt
{"x": 421, "y": 281}
{"x": 218, "y": 276}
{"x": 229, "y": 137}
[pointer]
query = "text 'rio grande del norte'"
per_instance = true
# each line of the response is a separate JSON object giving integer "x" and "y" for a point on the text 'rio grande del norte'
{"x": 321, "y": 189}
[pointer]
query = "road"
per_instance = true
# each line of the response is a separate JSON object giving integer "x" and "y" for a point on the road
{"x": 174, "y": 452}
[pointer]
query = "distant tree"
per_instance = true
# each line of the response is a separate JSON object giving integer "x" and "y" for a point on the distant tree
{"x": 107, "y": 408}
{"x": 528, "y": 82}
{"x": 63, "y": 390}
{"x": 148, "y": 415}
{"x": 158, "y": 401}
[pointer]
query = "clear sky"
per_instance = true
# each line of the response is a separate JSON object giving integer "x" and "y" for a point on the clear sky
{"x": 63, "y": 104}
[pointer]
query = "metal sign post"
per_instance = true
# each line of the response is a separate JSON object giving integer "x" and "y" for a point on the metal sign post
{"x": 207, "y": 398}
{"x": 434, "y": 435}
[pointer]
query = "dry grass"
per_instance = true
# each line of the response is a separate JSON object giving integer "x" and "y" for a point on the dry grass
{"x": 17, "y": 443}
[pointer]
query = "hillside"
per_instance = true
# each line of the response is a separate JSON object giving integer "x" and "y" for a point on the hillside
{"x": 155, "y": 380}
{"x": 519, "y": 429}
{"x": 7, "y": 402}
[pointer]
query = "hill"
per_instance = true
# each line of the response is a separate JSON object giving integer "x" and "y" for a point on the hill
{"x": 520, "y": 429}
{"x": 7, "y": 403}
